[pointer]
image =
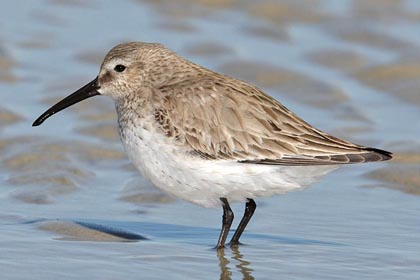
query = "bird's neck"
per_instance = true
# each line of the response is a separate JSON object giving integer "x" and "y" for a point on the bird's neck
{"x": 134, "y": 111}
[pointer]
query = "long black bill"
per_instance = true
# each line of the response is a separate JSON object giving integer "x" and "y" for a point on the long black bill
{"x": 89, "y": 90}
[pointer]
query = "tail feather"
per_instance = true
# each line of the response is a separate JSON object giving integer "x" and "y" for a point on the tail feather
{"x": 364, "y": 155}
{"x": 377, "y": 155}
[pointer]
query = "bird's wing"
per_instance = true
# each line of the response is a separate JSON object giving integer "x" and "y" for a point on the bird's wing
{"x": 217, "y": 117}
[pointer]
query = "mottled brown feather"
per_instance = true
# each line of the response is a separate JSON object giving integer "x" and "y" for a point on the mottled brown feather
{"x": 218, "y": 117}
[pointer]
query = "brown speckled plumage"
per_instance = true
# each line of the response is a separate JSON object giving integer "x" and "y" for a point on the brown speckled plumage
{"x": 219, "y": 117}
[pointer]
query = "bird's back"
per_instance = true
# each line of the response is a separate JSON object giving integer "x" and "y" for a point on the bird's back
{"x": 218, "y": 117}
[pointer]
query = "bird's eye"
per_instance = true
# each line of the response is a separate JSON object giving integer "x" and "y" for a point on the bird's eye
{"x": 119, "y": 68}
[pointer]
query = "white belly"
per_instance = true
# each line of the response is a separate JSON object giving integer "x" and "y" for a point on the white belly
{"x": 202, "y": 181}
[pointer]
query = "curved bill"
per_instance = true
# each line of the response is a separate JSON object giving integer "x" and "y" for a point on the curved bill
{"x": 89, "y": 90}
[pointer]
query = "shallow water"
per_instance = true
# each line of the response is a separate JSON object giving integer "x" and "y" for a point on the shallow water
{"x": 72, "y": 206}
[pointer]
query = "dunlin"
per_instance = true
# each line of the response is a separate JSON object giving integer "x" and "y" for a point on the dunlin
{"x": 208, "y": 138}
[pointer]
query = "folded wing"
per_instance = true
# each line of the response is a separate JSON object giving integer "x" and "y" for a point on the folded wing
{"x": 218, "y": 117}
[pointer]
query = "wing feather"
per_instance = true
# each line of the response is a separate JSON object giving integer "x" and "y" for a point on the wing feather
{"x": 218, "y": 117}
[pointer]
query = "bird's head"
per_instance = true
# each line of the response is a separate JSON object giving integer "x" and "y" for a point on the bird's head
{"x": 126, "y": 69}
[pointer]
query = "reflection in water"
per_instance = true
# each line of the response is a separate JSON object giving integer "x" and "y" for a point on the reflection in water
{"x": 225, "y": 272}
{"x": 243, "y": 265}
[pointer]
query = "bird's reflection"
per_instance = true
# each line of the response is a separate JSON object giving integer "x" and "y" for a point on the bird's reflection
{"x": 236, "y": 259}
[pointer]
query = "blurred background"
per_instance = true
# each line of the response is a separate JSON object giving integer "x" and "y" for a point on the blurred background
{"x": 72, "y": 206}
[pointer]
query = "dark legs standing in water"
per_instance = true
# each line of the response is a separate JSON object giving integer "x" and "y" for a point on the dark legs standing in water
{"x": 250, "y": 207}
{"x": 227, "y": 220}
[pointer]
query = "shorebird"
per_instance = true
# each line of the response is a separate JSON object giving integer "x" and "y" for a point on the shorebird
{"x": 208, "y": 138}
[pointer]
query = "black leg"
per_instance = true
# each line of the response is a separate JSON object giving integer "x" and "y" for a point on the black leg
{"x": 250, "y": 207}
{"x": 227, "y": 222}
